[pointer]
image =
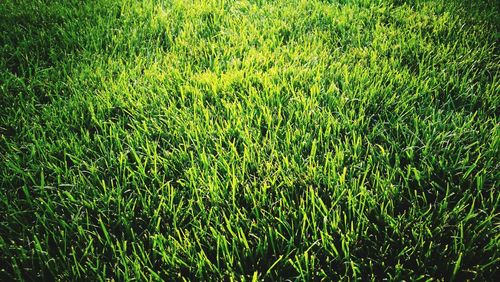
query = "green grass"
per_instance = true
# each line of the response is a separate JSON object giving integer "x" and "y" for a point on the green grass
{"x": 249, "y": 140}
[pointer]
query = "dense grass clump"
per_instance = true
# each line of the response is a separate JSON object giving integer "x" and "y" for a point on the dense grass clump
{"x": 249, "y": 140}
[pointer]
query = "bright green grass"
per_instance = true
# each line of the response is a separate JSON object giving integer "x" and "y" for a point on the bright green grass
{"x": 264, "y": 140}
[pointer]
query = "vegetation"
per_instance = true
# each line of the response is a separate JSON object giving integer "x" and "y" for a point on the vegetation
{"x": 249, "y": 140}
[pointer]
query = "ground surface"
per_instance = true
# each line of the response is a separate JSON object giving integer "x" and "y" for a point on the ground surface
{"x": 249, "y": 140}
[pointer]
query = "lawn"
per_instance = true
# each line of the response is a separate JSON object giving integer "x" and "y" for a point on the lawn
{"x": 249, "y": 140}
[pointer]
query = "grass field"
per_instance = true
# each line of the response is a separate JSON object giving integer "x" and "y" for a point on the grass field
{"x": 249, "y": 140}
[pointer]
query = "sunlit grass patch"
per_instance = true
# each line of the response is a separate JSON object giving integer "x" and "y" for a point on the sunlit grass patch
{"x": 249, "y": 140}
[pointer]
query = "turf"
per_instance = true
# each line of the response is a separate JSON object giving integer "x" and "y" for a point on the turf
{"x": 249, "y": 140}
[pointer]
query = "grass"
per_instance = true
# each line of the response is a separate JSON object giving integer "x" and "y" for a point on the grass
{"x": 249, "y": 140}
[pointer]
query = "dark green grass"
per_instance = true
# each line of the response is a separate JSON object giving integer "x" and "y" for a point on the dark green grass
{"x": 249, "y": 140}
